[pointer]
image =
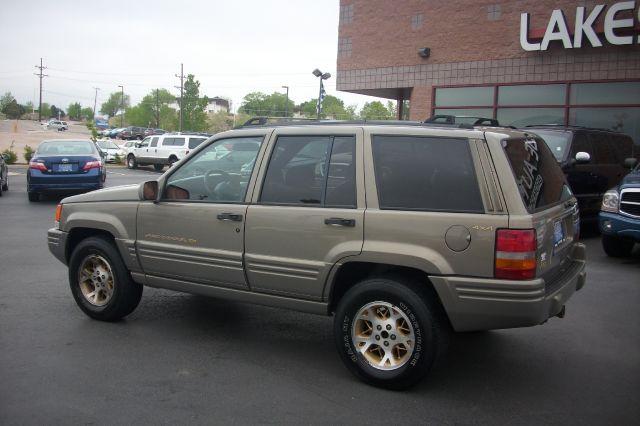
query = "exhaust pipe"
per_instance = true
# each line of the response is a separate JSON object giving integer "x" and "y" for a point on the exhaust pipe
{"x": 562, "y": 312}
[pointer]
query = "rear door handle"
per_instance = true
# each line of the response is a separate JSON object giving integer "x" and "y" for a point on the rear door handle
{"x": 338, "y": 221}
{"x": 230, "y": 217}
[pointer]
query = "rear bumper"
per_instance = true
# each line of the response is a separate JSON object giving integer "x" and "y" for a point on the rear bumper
{"x": 619, "y": 226}
{"x": 57, "y": 242}
{"x": 40, "y": 182}
{"x": 62, "y": 187}
{"x": 486, "y": 304}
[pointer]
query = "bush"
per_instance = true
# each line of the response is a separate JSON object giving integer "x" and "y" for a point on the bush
{"x": 28, "y": 153}
{"x": 13, "y": 157}
{"x": 119, "y": 159}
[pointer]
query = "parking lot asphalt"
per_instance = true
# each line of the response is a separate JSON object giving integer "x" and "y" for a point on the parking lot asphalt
{"x": 186, "y": 359}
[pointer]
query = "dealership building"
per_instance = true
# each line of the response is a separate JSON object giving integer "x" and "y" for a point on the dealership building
{"x": 521, "y": 62}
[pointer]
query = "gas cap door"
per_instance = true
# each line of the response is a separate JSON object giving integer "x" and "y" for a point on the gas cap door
{"x": 458, "y": 238}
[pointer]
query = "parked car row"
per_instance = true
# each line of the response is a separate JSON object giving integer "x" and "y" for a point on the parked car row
{"x": 130, "y": 133}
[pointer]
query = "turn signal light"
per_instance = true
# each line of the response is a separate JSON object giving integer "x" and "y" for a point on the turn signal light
{"x": 58, "y": 213}
{"x": 92, "y": 165}
{"x": 515, "y": 254}
{"x": 37, "y": 166}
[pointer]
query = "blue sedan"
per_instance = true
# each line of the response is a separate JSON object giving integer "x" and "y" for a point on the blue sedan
{"x": 62, "y": 166}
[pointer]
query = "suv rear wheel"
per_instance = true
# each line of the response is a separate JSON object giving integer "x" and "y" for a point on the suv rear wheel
{"x": 617, "y": 247}
{"x": 100, "y": 283}
{"x": 388, "y": 332}
{"x": 158, "y": 167}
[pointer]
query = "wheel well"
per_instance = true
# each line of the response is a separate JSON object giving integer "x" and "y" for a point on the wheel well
{"x": 78, "y": 234}
{"x": 353, "y": 272}
{"x": 173, "y": 156}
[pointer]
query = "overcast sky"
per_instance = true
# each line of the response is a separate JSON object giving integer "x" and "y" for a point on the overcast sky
{"x": 232, "y": 47}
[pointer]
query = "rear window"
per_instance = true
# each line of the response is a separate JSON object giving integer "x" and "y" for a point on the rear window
{"x": 540, "y": 180}
{"x": 66, "y": 148}
{"x": 425, "y": 174}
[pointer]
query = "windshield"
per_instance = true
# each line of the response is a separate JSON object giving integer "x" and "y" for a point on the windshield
{"x": 107, "y": 145}
{"x": 558, "y": 142}
{"x": 66, "y": 148}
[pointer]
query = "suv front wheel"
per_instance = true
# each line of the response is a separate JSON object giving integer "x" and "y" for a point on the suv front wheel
{"x": 131, "y": 162}
{"x": 389, "y": 332}
{"x": 100, "y": 282}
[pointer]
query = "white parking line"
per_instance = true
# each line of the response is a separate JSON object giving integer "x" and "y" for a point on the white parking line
{"x": 15, "y": 174}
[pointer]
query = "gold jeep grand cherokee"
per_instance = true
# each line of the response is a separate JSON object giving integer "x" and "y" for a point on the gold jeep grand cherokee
{"x": 402, "y": 231}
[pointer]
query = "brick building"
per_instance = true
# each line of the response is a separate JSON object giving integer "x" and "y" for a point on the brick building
{"x": 522, "y": 62}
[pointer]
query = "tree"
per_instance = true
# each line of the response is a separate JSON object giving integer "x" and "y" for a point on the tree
{"x": 46, "y": 110}
{"x": 13, "y": 110}
{"x": 155, "y": 109}
{"x": 86, "y": 113}
{"x": 55, "y": 112}
{"x": 28, "y": 107}
{"x": 193, "y": 106}
{"x": 74, "y": 111}
{"x": 114, "y": 104}
{"x": 219, "y": 122}
{"x": 332, "y": 107}
{"x": 273, "y": 105}
{"x": 375, "y": 111}
{"x": 5, "y": 100}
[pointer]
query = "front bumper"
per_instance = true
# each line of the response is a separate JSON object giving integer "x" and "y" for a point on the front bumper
{"x": 57, "y": 242}
{"x": 619, "y": 226}
{"x": 486, "y": 304}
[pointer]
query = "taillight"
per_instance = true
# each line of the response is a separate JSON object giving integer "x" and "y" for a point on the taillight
{"x": 92, "y": 165}
{"x": 515, "y": 254}
{"x": 37, "y": 165}
{"x": 58, "y": 214}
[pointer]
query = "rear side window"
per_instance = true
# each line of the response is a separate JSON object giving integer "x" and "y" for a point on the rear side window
{"x": 425, "y": 174}
{"x": 195, "y": 142}
{"x": 540, "y": 180}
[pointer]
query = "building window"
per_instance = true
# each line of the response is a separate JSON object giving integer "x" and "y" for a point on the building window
{"x": 344, "y": 47}
{"x": 346, "y": 14}
{"x": 494, "y": 11}
{"x": 416, "y": 21}
{"x": 607, "y": 105}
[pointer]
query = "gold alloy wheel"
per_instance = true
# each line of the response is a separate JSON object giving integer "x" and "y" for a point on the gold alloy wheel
{"x": 384, "y": 336}
{"x": 96, "y": 280}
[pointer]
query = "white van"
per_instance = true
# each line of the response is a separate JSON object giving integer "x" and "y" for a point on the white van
{"x": 164, "y": 149}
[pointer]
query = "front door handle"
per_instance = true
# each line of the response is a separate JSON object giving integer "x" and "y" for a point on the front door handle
{"x": 338, "y": 221}
{"x": 230, "y": 217}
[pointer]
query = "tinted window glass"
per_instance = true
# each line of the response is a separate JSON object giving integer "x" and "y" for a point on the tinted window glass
{"x": 605, "y": 93}
{"x": 178, "y": 141}
{"x": 425, "y": 173}
{"x": 341, "y": 179}
{"x": 557, "y": 141}
{"x": 297, "y": 170}
{"x": 195, "y": 142}
{"x": 534, "y": 94}
{"x": 581, "y": 143}
{"x": 167, "y": 142}
{"x": 538, "y": 175}
{"x": 464, "y": 96}
{"x": 66, "y": 148}
{"x": 207, "y": 177}
{"x": 520, "y": 117}
{"x": 603, "y": 148}
{"x": 154, "y": 142}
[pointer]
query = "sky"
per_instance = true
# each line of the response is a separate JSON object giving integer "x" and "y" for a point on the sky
{"x": 232, "y": 48}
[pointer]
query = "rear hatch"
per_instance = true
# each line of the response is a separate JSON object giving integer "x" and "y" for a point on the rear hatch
{"x": 548, "y": 199}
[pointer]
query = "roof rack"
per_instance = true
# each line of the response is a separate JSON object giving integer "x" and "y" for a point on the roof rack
{"x": 448, "y": 119}
{"x": 264, "y": 122}
{"x": 572, "y": 126}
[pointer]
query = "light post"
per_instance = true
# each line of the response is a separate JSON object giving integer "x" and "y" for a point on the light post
{"x": 286, "y": 104}
{"x": 95, "y": 103}
{"x": 321, "y": 76}
{"x": 121, "y": 105}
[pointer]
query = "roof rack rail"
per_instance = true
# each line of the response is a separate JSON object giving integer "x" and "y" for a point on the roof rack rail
{"x": 264, "y": 122}
{"x": 572, "y": 126}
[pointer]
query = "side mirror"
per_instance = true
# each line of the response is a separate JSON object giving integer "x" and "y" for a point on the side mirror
{"x": 630, "y": 163}
{"x": 5, "y": 157}
{"x": 583, "y": 157}
{"x": 150, "y": 190}
{"x": 138, "y": 145}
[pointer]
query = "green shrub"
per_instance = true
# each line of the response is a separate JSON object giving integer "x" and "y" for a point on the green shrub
{"x": 13, "y": 157}
{"x": 28, "y": 153}
{"x": 119, "y": 159}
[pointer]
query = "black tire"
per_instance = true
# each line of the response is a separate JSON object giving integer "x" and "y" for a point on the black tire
{"x": 126, "y": 292}
{"x": 158, "y": 167}
{"x": 415, "y": 302}
{"x": 5, "y": 187}
{"x": 131, "y": 162}
{"x": 172, "y": 161}
{"x": 33, "y": 196}
{"x": 617, "y": 247}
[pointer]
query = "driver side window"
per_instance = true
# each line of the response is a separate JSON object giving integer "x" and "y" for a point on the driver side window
{"x": 219, "y": 173}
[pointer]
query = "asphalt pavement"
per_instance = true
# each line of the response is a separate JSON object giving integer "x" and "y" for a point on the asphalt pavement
{"x": 183, "y": 359}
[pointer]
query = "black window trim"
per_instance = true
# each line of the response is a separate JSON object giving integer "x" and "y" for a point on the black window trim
{"x": 375, "y": 175}
{"x": 326, "y": 175}
{"x": 200, "y": 148}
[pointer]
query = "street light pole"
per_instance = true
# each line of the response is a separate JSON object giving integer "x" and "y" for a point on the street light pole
{"x": 321, "y": 76}
{"x": 286, "y": 105}
{"x": 122, "y": 106}
{"x": 95, "y": 102}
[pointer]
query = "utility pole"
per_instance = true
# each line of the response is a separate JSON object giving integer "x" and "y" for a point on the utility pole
{"x": 121, "y": 106}
{"x": 157, "y": 109}
{"x": 286, "y": 105}
{"x": 41, "y": 76}
{"x": 181, "y": 77}
{"x": 95, "y": 103}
